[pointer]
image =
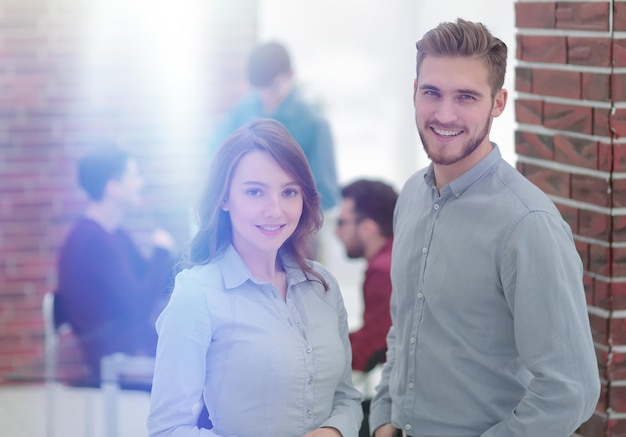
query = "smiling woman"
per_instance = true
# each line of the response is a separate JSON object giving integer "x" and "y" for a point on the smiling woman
{"x": 254, "y": 326}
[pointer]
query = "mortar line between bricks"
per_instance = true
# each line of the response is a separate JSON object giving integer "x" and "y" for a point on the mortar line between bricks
{"x": 552, "y": 165}
{"x": 574, "y": 68}
{"x": 564, "y": 101}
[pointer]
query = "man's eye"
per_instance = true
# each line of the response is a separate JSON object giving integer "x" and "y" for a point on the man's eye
{"x": 467, "y": 97}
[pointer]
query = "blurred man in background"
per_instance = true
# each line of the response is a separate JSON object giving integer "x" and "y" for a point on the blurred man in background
{"x": 109, "y": 291}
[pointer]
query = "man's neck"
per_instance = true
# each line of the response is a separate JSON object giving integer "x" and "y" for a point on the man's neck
{"x": 105, "y": 214}
{"x": 374, "y": 247}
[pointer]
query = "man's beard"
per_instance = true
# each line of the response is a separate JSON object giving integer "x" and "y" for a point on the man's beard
{"x": 356, "y": 250}
{"x": 470, "y": 145}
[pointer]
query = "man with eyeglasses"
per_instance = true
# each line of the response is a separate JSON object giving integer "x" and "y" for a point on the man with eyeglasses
{"x": 365, "y": 227}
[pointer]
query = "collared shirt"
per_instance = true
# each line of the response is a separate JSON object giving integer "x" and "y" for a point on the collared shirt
{"x": 264, "y": 366}
{"x": 490, "y": 331}
{"x": 307, "y": 126}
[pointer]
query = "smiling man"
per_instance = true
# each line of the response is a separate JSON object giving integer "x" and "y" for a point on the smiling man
{"x": 490, "y": 334}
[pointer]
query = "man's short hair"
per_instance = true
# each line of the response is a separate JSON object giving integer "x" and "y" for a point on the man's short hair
{"x": 467, "y": 39}
{"x": 375, "y": 200}
{"x": 266, "y": 62}
{"x": 98, "y": 167}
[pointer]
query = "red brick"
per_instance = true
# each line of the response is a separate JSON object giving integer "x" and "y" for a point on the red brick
{"x": 568, "y": 117}
{"x": 616, "y": 427}
{"x": 533, "y": 145}
{"x": 601, "y": 122}
{"x": 599, "y": 260}
{"x": 617, "y": 331}
{"x": 552, "y": 49}
{"x": 592, "y": 224}
{"x": 595, "y": 86}
{"x": 535, "y": 15}
{"x": 618, "y": 295}
{"x": 617, "y": 398}
{"x": 617, "y": 123}
{"x": 619, "y": 262}
{"x": 619, "y": 52}
{"x": 591, "y": 190}
{"x": 575, "y": 151}
{"x": 618, "y": 229}
{"x": 619, "y": 157}
{"x": 529, "y": 111}
{"x": 582, "y": 16}
{"x": 589, "y": 51}
{"x": 548, "y": 180}
{"x": 523, "y": 79}
{"x": 619, "y": 16}
{"x": 599, "y": 328}
{"x": 557, "y": 83}
{"x": 605, "y": 157}
{"x": 601, "y": 294}
{"x": 618, "y": 87}
{"x": 570, "y": 215}
{"x": 619, "y": 193}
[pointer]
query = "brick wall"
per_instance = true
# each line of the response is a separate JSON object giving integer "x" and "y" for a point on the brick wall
{"x": 65, "y": 86}
{"x": 571, "y": 114}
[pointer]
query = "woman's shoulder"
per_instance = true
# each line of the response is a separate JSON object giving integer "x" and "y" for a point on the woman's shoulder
{"x": 204, "y": 274}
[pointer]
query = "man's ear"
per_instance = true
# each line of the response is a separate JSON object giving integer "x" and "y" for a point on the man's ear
{"x": 499, "y": 102}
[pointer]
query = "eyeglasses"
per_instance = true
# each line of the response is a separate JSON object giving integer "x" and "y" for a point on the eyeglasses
{"x": 341, "y": 222}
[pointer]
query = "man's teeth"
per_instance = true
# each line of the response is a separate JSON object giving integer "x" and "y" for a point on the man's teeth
{"x": 447, "y": 133}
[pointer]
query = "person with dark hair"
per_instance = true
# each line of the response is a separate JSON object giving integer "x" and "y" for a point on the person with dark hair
{"x": 365, "y": 227}
{"x": 275, "y": 95}
{"x": 108, "y": 289}
{"x": 254, "y": 329}
{"x": 490, "y": 333}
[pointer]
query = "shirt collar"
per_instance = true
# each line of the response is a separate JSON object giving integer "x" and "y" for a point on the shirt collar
{"x": 458, "y": 186}
{"x": 235, "y": 272}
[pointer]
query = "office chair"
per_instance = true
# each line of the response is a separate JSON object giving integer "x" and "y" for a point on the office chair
{"x": 117, "y": 371}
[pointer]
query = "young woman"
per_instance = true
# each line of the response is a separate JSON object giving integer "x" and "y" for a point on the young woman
{"x": 253, "y": 328}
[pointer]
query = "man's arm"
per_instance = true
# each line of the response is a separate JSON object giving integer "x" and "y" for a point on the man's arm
{"x": 542, "y": 278}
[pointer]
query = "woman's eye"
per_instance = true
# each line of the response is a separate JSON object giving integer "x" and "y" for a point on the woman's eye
{"x": 291, "y": 192}
{"x": 254, "y": 192}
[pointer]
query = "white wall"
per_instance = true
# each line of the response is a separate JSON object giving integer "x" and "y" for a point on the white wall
{"x": 357, "y": 57}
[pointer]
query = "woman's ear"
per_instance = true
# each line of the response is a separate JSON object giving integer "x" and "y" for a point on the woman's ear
{"x": 225, "y": 204}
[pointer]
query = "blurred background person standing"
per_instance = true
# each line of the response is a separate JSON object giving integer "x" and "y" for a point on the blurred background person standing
{"x": 275, "y": 95}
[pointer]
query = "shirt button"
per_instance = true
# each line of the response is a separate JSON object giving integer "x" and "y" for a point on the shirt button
{"x": 420, "y": 295}
{"x": 311, "y": 379}
{"x": 436, "y": 206}
{"x": 413, "y": 340}
{"x": 411, "y": 385}
{"x": 424, "y": 250}
{"x": 309, "y": 414}
{"x": 407, "y": 427}
{"x": 308, "y": 350}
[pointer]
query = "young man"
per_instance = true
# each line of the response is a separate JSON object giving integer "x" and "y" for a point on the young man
{"x": 490, "y": 333}
{"x": 365, "y": 227}
{"x": 276, "y": 96}
{"x": 108, "y": 289}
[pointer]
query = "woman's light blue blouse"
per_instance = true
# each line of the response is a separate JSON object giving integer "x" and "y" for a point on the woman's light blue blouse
{"x": 264, "y": 366}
